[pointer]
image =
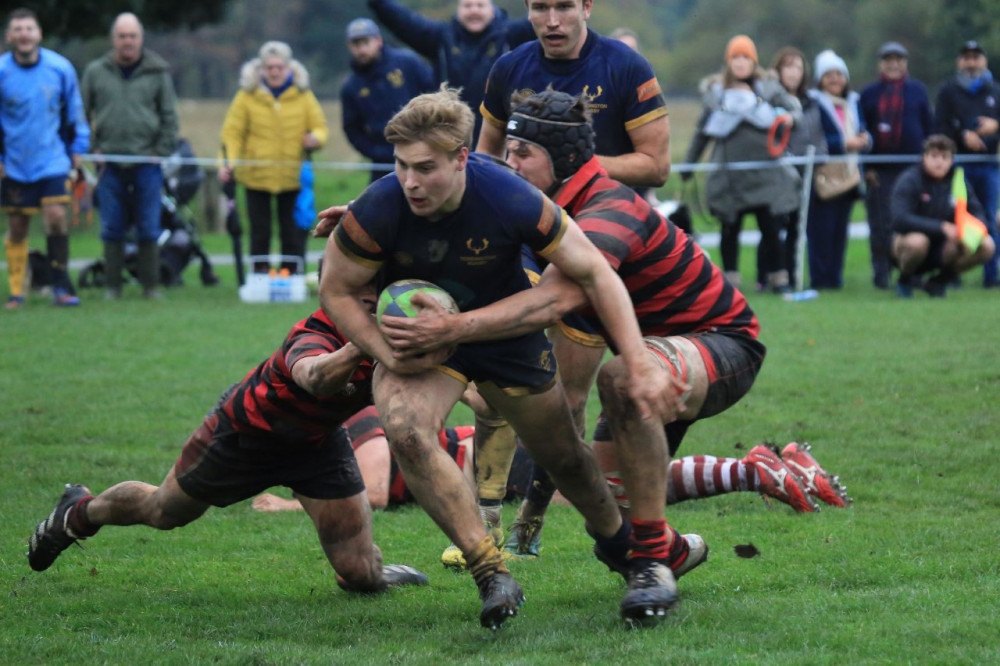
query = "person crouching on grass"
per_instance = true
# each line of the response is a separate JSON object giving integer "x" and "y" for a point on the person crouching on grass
{"x": 925, "y": 235}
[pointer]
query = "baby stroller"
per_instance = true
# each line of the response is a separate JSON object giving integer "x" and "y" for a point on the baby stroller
{"x": 178, "y": 241}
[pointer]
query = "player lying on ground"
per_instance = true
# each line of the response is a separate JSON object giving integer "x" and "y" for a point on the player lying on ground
{"x": 691, "y": 477}
{"x": 280, "y": 425}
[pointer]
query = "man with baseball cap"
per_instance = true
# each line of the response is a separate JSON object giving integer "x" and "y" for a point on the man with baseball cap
{"x": 382, "y": 80}
{"x": 968, "y": 113}
{"x": 898, "y": 114}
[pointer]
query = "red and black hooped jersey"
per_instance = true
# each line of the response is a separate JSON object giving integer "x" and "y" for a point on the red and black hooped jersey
{"x": 675, "y": 288}
{"x": 268, "y": 400}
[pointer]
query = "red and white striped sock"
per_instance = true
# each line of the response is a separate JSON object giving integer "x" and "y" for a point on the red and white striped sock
{"x": 695, "y": 477}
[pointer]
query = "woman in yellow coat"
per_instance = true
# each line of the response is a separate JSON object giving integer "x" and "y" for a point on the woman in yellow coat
{"x": 274, "y": 118}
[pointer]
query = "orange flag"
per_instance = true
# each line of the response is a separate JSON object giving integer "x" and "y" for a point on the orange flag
{"x": 971, "y": 230}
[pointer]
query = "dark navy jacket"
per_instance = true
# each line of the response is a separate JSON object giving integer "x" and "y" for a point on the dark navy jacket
{"x": 920, "y": 203}
{"x": 459, "y": 57}
{"x": 958, "y": 110}
{"x": 918, "y": 118}
{"x": 373, "y": 94}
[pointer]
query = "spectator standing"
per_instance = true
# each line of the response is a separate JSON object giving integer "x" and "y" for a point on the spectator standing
{"x": 130, "y": 101}
{"x": 843, "y": 127}
{"x": 793, "y": 73}
{"x": 741, "y": 104}
{"x": 897, "y": 112}
{"x": 44, "y": 133}
{"x": 630, "y": 114}
{"x": 968, "y": 114}
{"x": 274, "y": 120}
{"x": 926, "y": 237}
{"x": 461, "y": 49}
{"x": 382, "y": 81}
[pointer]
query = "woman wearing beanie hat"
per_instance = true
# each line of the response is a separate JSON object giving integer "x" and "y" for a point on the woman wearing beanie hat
{"x": 844, "y": 132}
{"x": 741, "y": 103}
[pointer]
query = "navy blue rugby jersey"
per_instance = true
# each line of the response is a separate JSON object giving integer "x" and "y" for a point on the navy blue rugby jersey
{"x": 474, "y": 253}
{"x": 619, "y": 83}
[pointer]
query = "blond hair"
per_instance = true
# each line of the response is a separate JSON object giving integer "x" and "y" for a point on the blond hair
{"x": 440, "y": 119}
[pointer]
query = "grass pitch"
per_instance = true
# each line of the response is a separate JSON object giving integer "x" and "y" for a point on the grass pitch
{"x": 897, "y": 397}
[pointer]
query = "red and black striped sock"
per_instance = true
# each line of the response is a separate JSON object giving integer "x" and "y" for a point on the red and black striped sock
{"x": 78, "y": 523}
{"x": 651, "y": 539}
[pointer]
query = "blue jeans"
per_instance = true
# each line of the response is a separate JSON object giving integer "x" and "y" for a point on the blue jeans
{"x": 128, "y": 197}
{"x": 985, "y": 182}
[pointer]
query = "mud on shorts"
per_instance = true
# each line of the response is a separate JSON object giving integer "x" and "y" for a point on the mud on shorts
{"x": 221, "y": 466}
{"x": 732, "y": 360}
{"x": 518, "y": 366}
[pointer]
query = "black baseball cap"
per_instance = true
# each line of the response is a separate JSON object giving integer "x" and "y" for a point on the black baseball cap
{"x": 972, "y": 46}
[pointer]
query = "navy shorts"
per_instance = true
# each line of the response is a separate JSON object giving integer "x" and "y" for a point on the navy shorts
{"x": 732, "y": 359}
{"x": 221, "y": 466}
{"x": 18, "y": 197}
{"x": 518, "y": 366}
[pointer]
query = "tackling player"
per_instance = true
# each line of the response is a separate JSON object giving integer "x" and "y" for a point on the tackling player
{"x": 280, "y": 425}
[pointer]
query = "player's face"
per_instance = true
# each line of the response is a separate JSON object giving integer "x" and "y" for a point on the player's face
{"x": 126, "y": 41}
{"x": 23, "y": 37}
{"x": 433, "y": 180}
{"x": 366, "y": 50}
{"x": 560, "y": 25}
{"x": 937, "y": 163}
{"x": 475, "y": 15}
{"x": 532, "y": 163}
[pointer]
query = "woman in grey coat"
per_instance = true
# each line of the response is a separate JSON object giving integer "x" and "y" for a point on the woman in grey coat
{"x": 741, "y": 105}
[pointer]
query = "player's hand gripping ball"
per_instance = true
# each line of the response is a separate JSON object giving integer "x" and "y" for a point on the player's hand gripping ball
{"x": 396, "y": 299}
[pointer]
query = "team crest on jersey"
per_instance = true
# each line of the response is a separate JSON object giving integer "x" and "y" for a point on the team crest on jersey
{"x": 436, "y": 250}
{"x": 477, "y": 246}
{"x": 404, "y": 259}
{"x": 364, "y": 92}
{"x": 592, "y": 95}
{"x": 395, "y": 78}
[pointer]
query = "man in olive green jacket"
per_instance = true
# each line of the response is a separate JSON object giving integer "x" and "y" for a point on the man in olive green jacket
{"x": 131, "y": 105}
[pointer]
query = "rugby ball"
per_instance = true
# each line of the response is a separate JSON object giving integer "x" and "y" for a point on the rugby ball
{"x": 396, "y": 299}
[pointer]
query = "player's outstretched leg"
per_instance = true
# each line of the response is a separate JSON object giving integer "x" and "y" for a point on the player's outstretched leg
{"x": 816, "y": 480}
{"x": 55, "y": 534}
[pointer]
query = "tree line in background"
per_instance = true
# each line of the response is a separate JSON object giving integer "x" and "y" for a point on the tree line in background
{"x": 206, "y": 42}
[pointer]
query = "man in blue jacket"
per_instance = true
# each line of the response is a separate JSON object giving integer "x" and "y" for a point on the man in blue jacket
{"x": 898, "y": 115}
{"x": 968, "y": 112}
{"x": 462, "y": 49}
{"x": 383, "y": 80}
{"x": 43, "y": 133}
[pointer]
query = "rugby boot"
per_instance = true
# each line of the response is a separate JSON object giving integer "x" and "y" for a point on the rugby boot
{"x": 695, "y": 553}
{"x": 652, "y": 591}
{"x": 525, "y": 538}
{"x": 816, "y": 480}
{"x": 776, "y": 480}
{"x": 501, "y": 596}
{"x": 52, "y": 536}
{"x": 393, "y": 575}
{"x": 14, "y": 302}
